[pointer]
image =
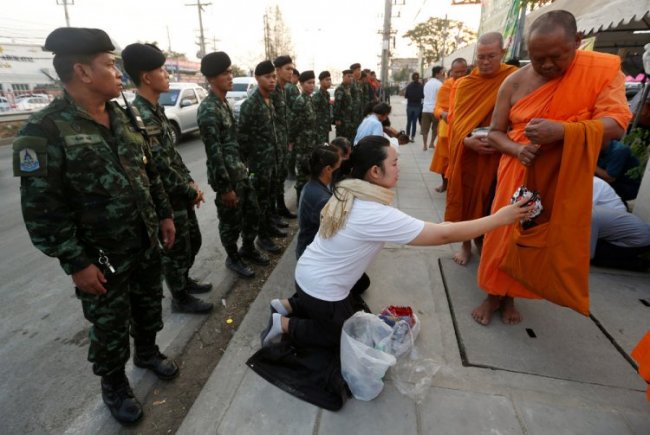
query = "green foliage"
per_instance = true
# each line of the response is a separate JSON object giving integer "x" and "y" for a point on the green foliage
{"x": 402, "y": 75}
{"x": 237, "y": 71}
{"x": 639, "y": 143}
{"x": 438, "y": 37}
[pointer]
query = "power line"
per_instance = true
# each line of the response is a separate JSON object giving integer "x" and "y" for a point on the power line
{"x": 199, "y": 6}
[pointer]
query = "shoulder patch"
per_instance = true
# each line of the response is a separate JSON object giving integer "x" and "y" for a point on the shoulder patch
{"x": 30, "y": 156}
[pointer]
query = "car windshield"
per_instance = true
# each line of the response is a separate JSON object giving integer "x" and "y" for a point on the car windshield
{"x": 239, "y": 87}
{"x": 169, "y": 98}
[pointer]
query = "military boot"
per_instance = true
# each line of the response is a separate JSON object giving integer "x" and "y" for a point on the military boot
{"x": 278, "y": 221}
{"x": 248, "y": 252}
{"x": 191, "y": 305}
{"x": 195, "y": 287}
{"x": 235, "y": 263}
{"x": 148, "y": 356}
{"x": 276, "y": 232}
{"x": 266, "y": 244}
{"x": 119, "y": 398}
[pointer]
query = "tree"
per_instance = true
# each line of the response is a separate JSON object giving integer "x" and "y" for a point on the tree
{"x": 237, "y": 71}
{"x": 437, "y": 37}
{"x": 402, "y": 75}
{"x": 277, "y": 36}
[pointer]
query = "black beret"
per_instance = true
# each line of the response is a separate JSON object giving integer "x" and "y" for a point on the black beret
{"x": 306, "y": 75}
{"x": 264, "y": 67}
{"x": 78, "y": 40}
{"x": 355, "y": 66}
{"x": 281, "y": 61}
{"x": 296, "y": 72}
{"x": 324, "y": 75}
{"x": 142, "y": 57}
{"x": 215, "y": 63}
{"x": 347, "y": 71}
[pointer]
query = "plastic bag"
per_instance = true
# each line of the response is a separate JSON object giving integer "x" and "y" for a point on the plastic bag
{"x": 406, "y": 327}
{"x": 413, "y": 375}
{"x": 363, "y": 365}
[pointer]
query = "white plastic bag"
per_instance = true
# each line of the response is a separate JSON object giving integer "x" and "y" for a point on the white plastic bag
{"x": 402, "y": 338}
{"x": 362, "y": 365}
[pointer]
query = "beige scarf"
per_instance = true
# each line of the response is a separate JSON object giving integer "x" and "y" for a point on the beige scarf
{"x": 335, "y": 212}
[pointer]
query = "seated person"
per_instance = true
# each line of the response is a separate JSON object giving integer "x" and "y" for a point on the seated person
{"x": 345, "y": 148}
{"x": 372, "y": 123}
{"x": 605, "y": 196}
{"x": 324, "y": 160}
{"x": 614, "y": 161}
{"x": 618, "y": 239}
{"x": 356, "y": 223}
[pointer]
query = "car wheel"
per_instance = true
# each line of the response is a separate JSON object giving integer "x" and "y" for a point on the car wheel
{"x": 176, "y": 133}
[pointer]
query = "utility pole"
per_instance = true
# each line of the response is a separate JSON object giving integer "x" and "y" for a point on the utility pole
{"x": 385, "y": 47}
{"x": 199, "y": 6}
{"x": 65, "y": 4}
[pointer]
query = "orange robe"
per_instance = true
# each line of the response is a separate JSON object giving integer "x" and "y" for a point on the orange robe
{"x": 551, "y": 259}
{"x": 440, "y": 159}
{"x": 472, "y": 176}
{"x": 641, "y": 355}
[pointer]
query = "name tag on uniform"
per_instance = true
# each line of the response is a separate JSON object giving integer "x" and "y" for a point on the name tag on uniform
{"x": 81, "y": 139}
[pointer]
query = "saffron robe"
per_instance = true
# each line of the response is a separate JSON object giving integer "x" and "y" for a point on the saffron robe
{"x": 440, "y": 159}
{"x": 641, "y": 355}
{"x": 472, "y": 176}
{"x": 551, "y": 259}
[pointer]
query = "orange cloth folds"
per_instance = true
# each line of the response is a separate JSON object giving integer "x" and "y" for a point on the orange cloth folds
{"x": 440, "y": 159}
{"x": 554, "y": 261}
{"x": 641, "y": 355}
{"x": 472, "y": 176}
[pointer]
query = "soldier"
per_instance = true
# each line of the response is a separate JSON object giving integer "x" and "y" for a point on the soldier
{"x": 323, "y": 108}
{"x": 283, "y": 70}
{"x": 257, "y": 136}
{"x": 145, "y": 64}
{"x": 343, "y": 108}
{"x": 292, "y": 93}
{"x": 91, "y": 197}
{"x": 303, "y": 129}
{"x": 366, "y": 97}
{"x": 236, "y": 201}
{"x": 355, "y": 92}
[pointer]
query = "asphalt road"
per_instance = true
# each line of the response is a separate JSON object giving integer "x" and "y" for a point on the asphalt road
{"x": 45, "y": 379}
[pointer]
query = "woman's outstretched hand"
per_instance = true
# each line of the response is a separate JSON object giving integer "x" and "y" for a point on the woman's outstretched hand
{"x": 515, "y": 212}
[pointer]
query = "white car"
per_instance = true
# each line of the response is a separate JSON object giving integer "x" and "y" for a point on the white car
{"x": 31, "y": 103}
{"x": 242, "y": 87}
{"x": 5, "y": 106}
{"x": 181, "y": 104}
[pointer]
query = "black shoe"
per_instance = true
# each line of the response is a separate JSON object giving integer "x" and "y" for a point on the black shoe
{"x": 158, "y": 363}
{"x": 276, "y": 232}
{"x": 268, "y": 245}
{"x": 119, "y": 398}
{"x": 239, "y": 267}
{"x": 254, "y": 255}
{"x": 285, "y": 212}
{"x": 194, "y": 287}
{"x": 191, "y": 305}
{"x": 278, "y": 222}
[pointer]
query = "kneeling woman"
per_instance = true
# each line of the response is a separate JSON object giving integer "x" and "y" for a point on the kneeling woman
{"x": 355, "y": 224}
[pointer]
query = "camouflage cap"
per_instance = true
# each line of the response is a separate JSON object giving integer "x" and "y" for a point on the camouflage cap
{"x": 78, "y": 40}
{"x": 142, "y": 57}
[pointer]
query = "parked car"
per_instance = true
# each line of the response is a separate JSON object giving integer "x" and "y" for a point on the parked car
{"x": 181, "y": 105}
{"x": 5, "y": 105}
{"x": 242, "y": 87}
{"x": 31, "y": 103}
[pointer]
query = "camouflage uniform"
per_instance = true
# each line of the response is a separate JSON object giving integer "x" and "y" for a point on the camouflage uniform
{"x": 365, "y": 97}
{"x": 357, "y": 109}
{"x": 304, "y": 135}
{"x": 292, "y": 92}
{"x": 86, "y": 187}
{"x": 227, "y": 172}
{"x": 279, "y": 99}
{"x": 259, "y": 142}
{"x": 176, "y": 178}
{"x": 322, "y": 107}
{"x": 343, "y": 113}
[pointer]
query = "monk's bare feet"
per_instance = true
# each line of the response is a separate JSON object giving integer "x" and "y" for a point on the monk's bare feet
{"x": 443, "y": 186}
{"x": 462, "y": 257}
{"x": 509, "y": 314}
{"x": 483, "y": 313}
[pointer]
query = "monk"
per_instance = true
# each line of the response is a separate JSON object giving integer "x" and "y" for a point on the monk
{"x": 473, "y": 162}
{"x": 562, "y": 96}
{"x": 440, "y": 159}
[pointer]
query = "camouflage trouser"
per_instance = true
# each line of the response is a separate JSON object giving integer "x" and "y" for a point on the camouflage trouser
{"x": 291, "y": 160}
{"x": 178, "y": 261}
{"x": 280, "y": 175}
{"x": 133, "y": 300}
{"x": 265, "y": 189}
{"x": 302, "y": 169}
{"x": 347, "y": 130}
{"x": 238, "y": 220}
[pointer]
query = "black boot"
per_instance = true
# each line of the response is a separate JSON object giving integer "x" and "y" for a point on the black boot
{"x": 249, "y": 252}
{"x": 282, "y": 208}
{"x": 149, "y": 357}
{"x": 237, "y": 265}
{"x": 194, "y": 287}
{"x": 119, "y": 398}
{"x": 276, "y": 232}
{"x": 191, "y": 305}
{"x": 266, "y": 244}
{"x": 278, "y": 221}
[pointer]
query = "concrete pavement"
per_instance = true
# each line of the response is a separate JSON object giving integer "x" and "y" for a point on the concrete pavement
{"x": 570, "y": 375}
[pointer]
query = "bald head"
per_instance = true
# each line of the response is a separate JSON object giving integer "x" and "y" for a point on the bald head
{"x": 491, "y": 38}
{"x": 553, "y": 21}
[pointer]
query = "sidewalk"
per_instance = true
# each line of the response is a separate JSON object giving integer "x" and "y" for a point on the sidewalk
{"x": 569, "y": 374}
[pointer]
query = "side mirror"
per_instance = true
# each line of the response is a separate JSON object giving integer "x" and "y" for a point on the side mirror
{"x": 186, "y": 102}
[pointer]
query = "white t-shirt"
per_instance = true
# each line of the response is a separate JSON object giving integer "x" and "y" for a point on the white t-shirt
{"x": 431, "y": 88}
{"x": 329, "y": 268}
{"x": 604, "y": 195}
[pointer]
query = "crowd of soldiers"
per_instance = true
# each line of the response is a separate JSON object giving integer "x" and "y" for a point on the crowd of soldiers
{"x": 105, "y": 191}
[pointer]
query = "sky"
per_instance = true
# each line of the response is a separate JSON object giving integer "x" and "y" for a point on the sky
{"x": 328, "y": 34}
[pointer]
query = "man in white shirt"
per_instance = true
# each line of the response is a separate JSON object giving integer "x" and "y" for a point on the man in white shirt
{"x": 372, "y": 124}
{"x": 429, "y": 122}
